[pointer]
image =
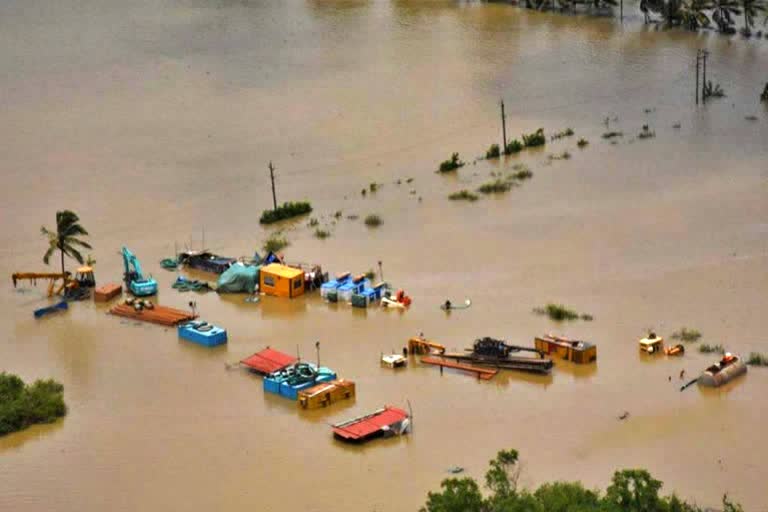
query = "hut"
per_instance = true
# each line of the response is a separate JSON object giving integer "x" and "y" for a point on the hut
{"x": 581, "y": 352}
{"x": 325, "y": 394}
{"x": 281, "y": 281}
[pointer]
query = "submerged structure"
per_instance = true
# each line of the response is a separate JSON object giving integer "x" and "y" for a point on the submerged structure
{"x": 268, "y": 361}
{"x": 578, "y": 351}
{"x": 652, "y": 344}
{"x": 498, "y": 354}
{"x": 281, "y": 280}
{"x": 205, "y": 261}
{"x": 385, "y": 422}
{"x": 723, "y": 371}
{"x": 299, "y": 376}
{"x": 325, "y": 394}
{"x": 203, "y": 333}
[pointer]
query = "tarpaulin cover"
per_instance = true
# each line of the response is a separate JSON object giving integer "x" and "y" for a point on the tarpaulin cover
{"x": 238, "y": 278}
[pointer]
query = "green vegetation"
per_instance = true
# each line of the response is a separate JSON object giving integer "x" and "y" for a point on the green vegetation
{"x": 65, "y": 238}
{"x": 757, "y": 359}
{"x": 285, "y": 211}
{"x": 535, "y": 139}
{"x": 463, "y": 195}
{"x": 22, "y": 405}
{"x": 370, "y": 275}
{"x": 276, "y": 242}
{"x": 686, "y": 334}
{"x": 562, "y": 156}
{"x": 706, "y": 348}
{"x": 712, "y": 90}
{"x": 631, "y": 490}
{"x": 764, "y": 95}
{"x": 322, "y": 234}
{"x": 522, "y": 172}
{"x": 337, "y": 215}
{"x": 646, "y": 133}
{"x": 513, "y": 146}
{"x": 612, "y": 135}
{"x": 582, "y": 143}
{"x": 313, "y": 222}
{"x": 559, "y": 312}
{"x": 372, "y": 220}
{"x": 568, "y": 132}
{"x": 495, "y": 186}
{"x": 373, "y": 187}
{"x": 452, "y": 164}
{"x": 493, "y": 151}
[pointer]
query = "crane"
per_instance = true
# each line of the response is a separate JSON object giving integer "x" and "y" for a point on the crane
{"x": 133, "y": 277}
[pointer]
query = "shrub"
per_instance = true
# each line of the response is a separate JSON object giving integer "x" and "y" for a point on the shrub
{"x": 705, "y": 348}
{"x": 374, "y": 187}
{"x": 493, "y": 151}
{"x": 568, "y": 132}
{"x": 562, "y": 156}
{"x": 521, "y": 173}
{"x": 22, "y": 405}
{"x": 764, "y": 95}
{"x": 285, "y": 211}
{"x": 322, "y": 234}
{"x": 370, "y": 275}
{"x": 337, "y": 215}
{"x": 275, "y": 243}
{"x": 463, "y": 195}
{"x": 713, "y": 90}
{"x": 313, "y": 222}
{"x": 756, "y": 359}
{"x": 372, "y": 220}
{"x": 686, "y": 334}
{"x": 646, "y": 133}
{"x": 613, "y": 134}
{"x": 535, "y": 139}
{"x": 495, "y": 187}
{"x": 452, "y": 164}
{"x": 559, "y": 312}
{"x": 513, "y": 146}
{"x": 582, "y": 143}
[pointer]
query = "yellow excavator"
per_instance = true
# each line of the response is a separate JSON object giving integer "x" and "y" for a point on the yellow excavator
{"x": 59, "y": 283}
{"x": 419, "y": 345}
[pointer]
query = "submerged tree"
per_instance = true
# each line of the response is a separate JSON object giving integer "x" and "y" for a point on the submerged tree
{"x": 65, "y": 238}
{"x": 693, "y": 14}
{"x": 723, "y": 13}
{"x": 751, "y": 8}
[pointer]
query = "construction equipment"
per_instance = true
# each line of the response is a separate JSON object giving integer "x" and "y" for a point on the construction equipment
{"x": 83, "y": 279}
{"x": 496, "y": 353}
{"x": 489, "y": 347}
{"x": 134, "y": 278}
{"x": 421, "y": 346}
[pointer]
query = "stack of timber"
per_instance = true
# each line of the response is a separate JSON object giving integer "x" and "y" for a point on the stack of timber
{"x": 157, "y": 315}
{"x": 107, "y": 292}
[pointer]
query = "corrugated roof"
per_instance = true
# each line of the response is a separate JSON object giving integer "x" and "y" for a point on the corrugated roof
{"x": 282, "y": 270}
{"x": 268, "y": 361}
{"x": 366, "y": 426}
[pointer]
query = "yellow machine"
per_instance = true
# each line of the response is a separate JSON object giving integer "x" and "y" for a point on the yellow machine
{"x": 84, "y": 278}
{"x": 422, "y": 346}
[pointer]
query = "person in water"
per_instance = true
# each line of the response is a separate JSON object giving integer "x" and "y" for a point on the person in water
{"x": 447, "y": 305}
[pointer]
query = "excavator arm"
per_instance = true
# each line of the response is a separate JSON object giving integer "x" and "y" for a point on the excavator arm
{"x": 52, "y": 276}
{"x": 422, "y": 346}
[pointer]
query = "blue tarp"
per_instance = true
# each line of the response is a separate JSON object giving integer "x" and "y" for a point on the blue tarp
{"x": 238, "y": 278}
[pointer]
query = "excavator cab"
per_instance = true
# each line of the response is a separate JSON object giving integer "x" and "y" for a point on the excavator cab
{"x": 85, "y": 278}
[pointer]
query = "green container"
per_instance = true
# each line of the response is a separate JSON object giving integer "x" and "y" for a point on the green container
{"x": 359, "y": 301}
{"x": 332, "y": 296}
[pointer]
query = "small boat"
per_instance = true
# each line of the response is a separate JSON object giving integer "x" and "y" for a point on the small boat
{"x": 652, "y": 344}
{"x": 393, "y": 361}
{"x": 725, "y": 370}
{"x": 385, "y": 422}
{"x": 202, "y": 333}
{"x": 61, "y": 306}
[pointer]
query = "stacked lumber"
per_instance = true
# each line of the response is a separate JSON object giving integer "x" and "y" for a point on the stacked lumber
{"x": 157, "y": 315}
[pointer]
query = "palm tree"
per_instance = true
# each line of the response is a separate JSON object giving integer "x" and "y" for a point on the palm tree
{"x": 693, "y": 14}
{"x": 751, "y": 8}
{"x": 65, "y": 238}
{"x": 723, "y": 12}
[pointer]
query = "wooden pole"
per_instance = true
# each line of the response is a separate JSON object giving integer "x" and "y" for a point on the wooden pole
{"x": 381, "y": 272}
{"x": 704, "y": 54}
{"x": 698, "y": 59}
{"x": 272, "y": 177}
{"x": 503, "y": 127}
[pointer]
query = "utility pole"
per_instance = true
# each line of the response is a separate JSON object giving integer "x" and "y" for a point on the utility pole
{"x": 503, "y": 127}
{"x": 621, "y": 10}
{"x": 272, "y": 177}
{"x": 381, "y": 272}
{"x": 317, "y": 347}
{"x": 704, "y": 55}
{"x": 698, "y": 61}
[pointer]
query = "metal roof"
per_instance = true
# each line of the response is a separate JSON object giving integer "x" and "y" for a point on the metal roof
{"x": 365, "y": 426}
{"x": 268, "y": 361}
{"x": 282, "y": 270}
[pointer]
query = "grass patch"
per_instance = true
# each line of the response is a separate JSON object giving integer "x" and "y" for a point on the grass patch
{"x": 22, "y": 405}
{"x": 568, "y": 132}
{"x": 493, "y": 152}
{"x": 535, "y": 139}
{"x": 313, "y": 222}
{"x": 285, "y": 211}
{"x": 706, "y": 348}
{"x": 756, "y": 359}
{"x": 582, "y": 143}
{"x": 275, "y": 243}
{"x": 521, "y": 172}
{"x": 452, "y": 164}
{"x": 370, "y": 275}
{"x": 559, "y": 312}
{"x": 713, "y": 90}
{"x": 322, "y": 234}
{"x": 646, "y": 133}
{"x": 612, "y": 135}
{"x": 373, "y": 220}
{"x": 686, "y": 334}
{"x": 463, "y": 195}
{"x": 561, "y": 156}
{"x": 373, "y": 187}
{"x": 495, "y": 187}
{"x": 513, "y": 146}
{"x": 337, "y": 215}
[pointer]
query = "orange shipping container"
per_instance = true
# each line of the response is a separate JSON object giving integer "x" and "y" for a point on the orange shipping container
{"x": 281, "y": 281}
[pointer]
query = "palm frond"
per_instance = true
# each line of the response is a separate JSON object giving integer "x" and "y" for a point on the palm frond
{"x": 78, "y": 242}
{"x": 48, "y": 254}
{"x": 73, "y": 253}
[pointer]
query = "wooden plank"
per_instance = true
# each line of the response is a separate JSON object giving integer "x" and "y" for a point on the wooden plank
{"x": 482, "y": 373}
{"x": 158, "y": 315}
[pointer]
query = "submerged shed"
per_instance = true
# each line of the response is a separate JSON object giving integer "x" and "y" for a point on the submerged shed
{"x": 385, "y": 422}
{"x": 268, "y": 361}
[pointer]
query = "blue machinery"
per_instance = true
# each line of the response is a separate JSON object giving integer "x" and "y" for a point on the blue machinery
{"x": 134, "y": 279}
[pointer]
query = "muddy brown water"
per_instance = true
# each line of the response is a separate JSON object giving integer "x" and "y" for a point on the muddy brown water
{"x": 156, "y": 119}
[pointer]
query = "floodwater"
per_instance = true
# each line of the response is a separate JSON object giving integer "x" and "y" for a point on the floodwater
{"x": 155, "y": 120}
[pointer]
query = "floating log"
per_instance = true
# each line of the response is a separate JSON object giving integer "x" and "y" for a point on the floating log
{"x": 157, "y": 315}
{"x": 482, "y": 373}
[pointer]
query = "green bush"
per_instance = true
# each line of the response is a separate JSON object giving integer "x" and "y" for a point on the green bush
{"x": 521, "y": 174}
{"x": 275, "y": 243}
{"x": 285, "y": 211}
{"x": 463, "y": 195}
{"x": 582, "y": 143}
{"x": 562, "y": 156}
{"x": 706, "y": 348}
{"x": 374, "y": 187}
{"x": 313, "y": 222}
{"x": 495, "y": 187}
{"x": 686, "y": 334}
{"x": 493, "y": 151}
{"x": 559, "y": 312}
{"x": 756, "y": 359}
{"x": 612, "y": 135}
{"x": 513, "y": 146}
{"x": 372, "y": 220}
{"x": 370, "y": 275}
{"x": 568, "y": 132}
{"x": 322, "y": 234}
{"x": 535, "y": 139}
{"x": 22, "y": 406}
{"x": 452, "y": 164}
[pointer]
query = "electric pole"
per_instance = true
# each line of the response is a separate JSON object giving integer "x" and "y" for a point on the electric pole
{"x": 698, "y": 61}
{"x": 272, "y": 177}
{"x": 704, "y": 54}
{"x": 503, "y": 127}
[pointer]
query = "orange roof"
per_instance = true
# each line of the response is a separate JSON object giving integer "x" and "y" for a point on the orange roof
{"x": 282, "y": 271}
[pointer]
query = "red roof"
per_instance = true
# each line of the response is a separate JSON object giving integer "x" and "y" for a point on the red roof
{"x": 360, "y": 428}
{"x": 268, "y": 361}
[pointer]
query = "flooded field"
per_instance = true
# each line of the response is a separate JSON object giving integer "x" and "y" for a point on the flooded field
{"x": 156, "y": 119}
